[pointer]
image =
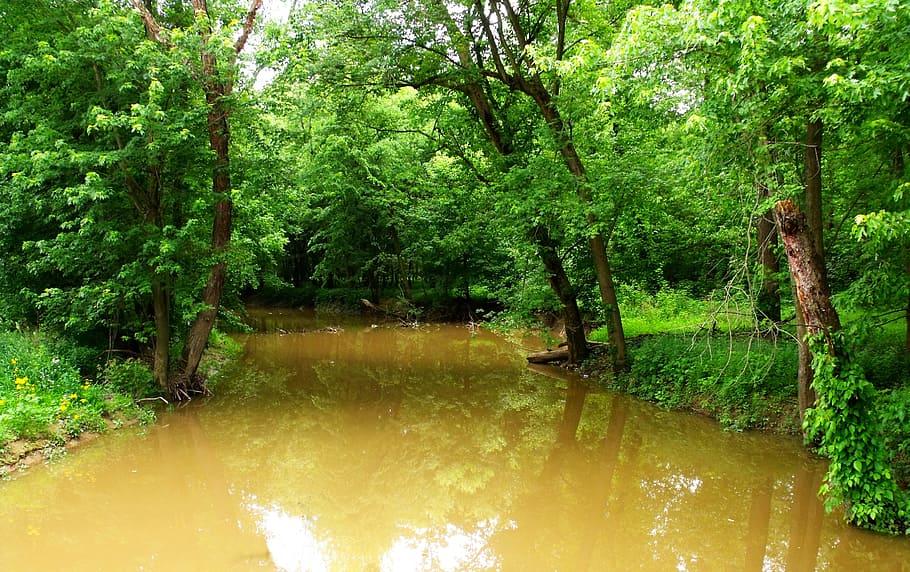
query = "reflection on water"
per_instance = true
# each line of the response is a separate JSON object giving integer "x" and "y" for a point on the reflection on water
{"x": 379, "y": 448}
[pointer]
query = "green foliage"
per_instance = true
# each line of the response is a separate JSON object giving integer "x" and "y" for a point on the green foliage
{"x": 130, "y": 377}
{"x": 44, "y": 396}
{"x": 744, "y": 383}
{"x": 675, "y": 311}
{"x": 846, "y": 422}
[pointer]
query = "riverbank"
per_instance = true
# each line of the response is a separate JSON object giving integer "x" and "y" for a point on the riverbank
{"x": 47, "y": 405}
{"x": 748, "y": 382}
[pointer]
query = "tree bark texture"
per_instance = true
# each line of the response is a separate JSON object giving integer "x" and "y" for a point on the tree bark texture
{"x": 815, "y": 312}
{"x": 559, "y": 282}
{"x": 813, "y": 205}
{"x": 162, "y": 309}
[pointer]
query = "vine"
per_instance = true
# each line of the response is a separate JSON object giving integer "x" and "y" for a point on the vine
{"x": 847, "y": 426}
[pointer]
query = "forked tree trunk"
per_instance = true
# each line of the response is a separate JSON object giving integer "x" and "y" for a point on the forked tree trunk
{"x": 816, "y": 313}
{"x": 216, "y": 89}
{"x": 559, "y": 282}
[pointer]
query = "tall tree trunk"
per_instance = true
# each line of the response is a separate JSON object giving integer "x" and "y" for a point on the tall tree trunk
{"x": 596, "y": 244}
{"x": 216, "y": 90}
{"x": 162, "y": 309}
{"x": 559, "y": 282}
{"x": 815, "y": 313}
{"x": 813, "y": 217}
{"x": 198, "y": 336}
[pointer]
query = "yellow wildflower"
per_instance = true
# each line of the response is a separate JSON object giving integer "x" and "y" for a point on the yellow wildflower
{"x": 13, "y": 361}
{"x": 2, "y": 402}
{"x": 73, "y": 396}
{"x": 21, "y": 382}
{"x": 64, "y": 406}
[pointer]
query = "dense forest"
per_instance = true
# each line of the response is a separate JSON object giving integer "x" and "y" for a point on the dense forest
{"x": 647, "y": 181}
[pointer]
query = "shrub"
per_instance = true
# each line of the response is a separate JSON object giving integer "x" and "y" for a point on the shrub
{"x": 130, "y": 377}
{"x": 743, "y": 383}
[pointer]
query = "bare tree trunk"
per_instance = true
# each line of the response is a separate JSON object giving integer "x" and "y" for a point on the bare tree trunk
{"x": 815, "y": 313}
{"x": 216, "y": 90}
{"x": 575, "y": 332}
{"x": 813, "y": 218}
{"x": 198, "y": 336}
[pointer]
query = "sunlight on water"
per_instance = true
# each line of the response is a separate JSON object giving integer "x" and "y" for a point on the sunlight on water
{"x": 398, "y": 449}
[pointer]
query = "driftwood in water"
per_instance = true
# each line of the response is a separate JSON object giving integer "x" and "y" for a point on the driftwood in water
{"x": 549, "y": 356}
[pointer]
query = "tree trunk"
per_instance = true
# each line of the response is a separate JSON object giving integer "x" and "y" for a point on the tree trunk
{"x": 813, "y": 218}
{"x": 216, "y": 89}
{"x": 596, "y": 243}
{"x": 162, "y": 309}
{"x": 575, "y": 332}
{"x": 198, "y": 336}
{"x": 769, "y": 297}
{"x": 815, "y": 313}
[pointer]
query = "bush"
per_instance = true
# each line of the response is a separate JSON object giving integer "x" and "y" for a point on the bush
{"x": 130, "y": 377}
{"x": 341, "y": 299}
{"x": 744, "y": 384}
{"x": 42, "y": 394}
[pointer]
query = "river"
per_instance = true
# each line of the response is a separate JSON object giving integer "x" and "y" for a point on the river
{"x": 372, "y": 447}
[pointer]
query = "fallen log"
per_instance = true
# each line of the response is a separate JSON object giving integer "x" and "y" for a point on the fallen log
{"x": 549, "y": 356}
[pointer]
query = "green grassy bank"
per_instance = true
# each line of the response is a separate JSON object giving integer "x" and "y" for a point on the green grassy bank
{"x": 45, "y": 400}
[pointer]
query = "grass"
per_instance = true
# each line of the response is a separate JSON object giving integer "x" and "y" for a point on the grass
{"x": 44, "y": 396}
{"x": 703, "y": 356}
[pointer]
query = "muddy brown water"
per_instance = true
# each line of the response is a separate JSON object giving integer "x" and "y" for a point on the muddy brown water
{"x": 387, "y": 449}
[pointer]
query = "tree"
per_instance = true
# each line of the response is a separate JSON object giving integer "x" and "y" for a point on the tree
{"x": 217, "y": 85}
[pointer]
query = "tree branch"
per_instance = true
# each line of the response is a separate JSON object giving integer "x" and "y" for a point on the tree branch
{"x": 152, "y": 29}
{"x": 247, "y": 25}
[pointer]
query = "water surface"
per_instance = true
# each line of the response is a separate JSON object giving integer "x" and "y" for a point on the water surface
{"x": 385, "y": 448}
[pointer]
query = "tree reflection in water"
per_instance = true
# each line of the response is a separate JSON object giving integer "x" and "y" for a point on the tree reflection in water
{"x": 432, "y": 449}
